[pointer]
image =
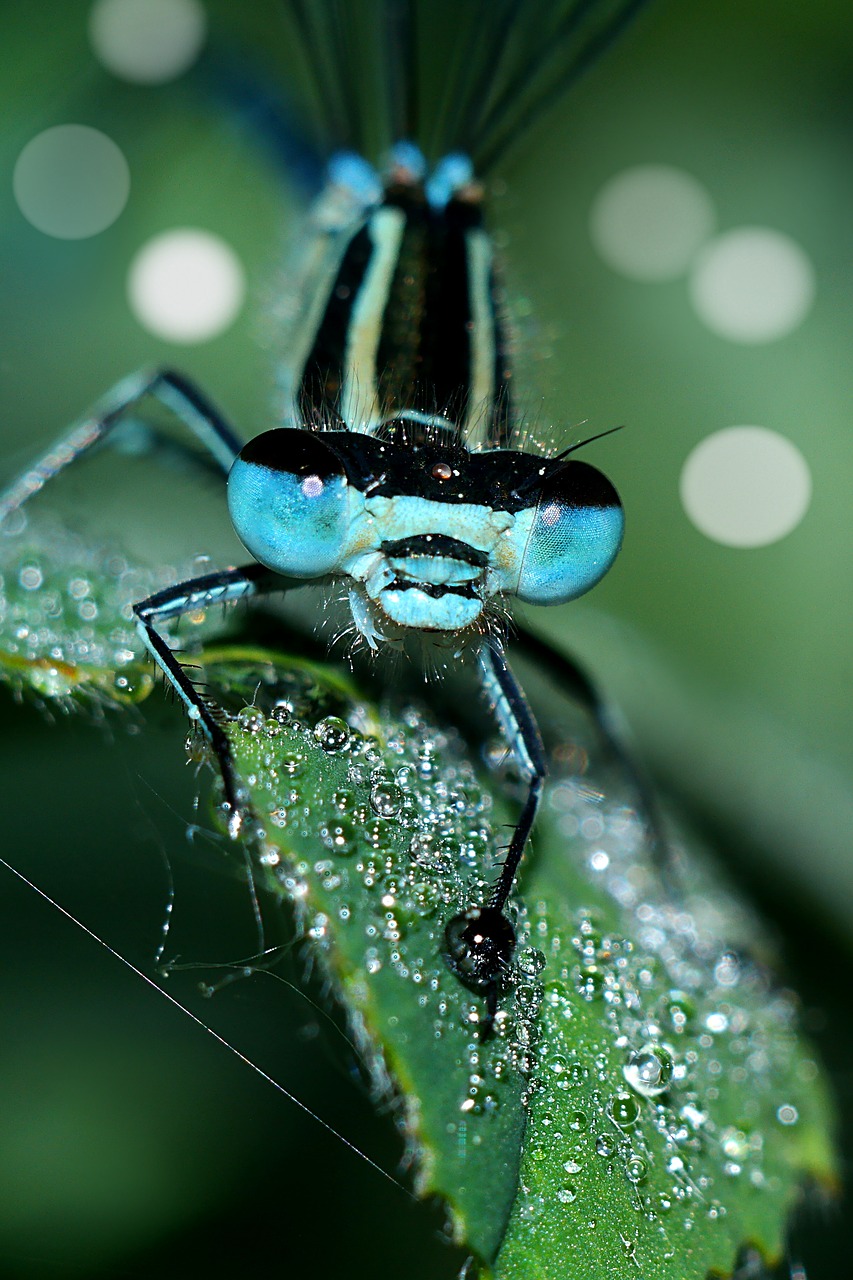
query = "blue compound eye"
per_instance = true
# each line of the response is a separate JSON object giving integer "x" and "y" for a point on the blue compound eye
{"x": 574, "y": 536}
{"x": 288, "y": 499}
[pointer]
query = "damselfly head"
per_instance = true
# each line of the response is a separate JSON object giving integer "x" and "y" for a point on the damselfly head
{"x": 428, "y": 533}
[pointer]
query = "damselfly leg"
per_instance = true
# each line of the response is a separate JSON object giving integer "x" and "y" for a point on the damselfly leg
{"x": 480, "y": 941}
{"x": 227, "y": 587}
{"x": 172, "y": 389}
{"x": 192, "y": 408}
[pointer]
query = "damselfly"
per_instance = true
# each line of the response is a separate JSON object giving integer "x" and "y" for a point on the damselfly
{"x": 395, "y": 471}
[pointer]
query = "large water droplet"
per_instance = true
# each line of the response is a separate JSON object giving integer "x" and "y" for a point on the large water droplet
{"x": 649, "y": 1070}
{"x": 624, "y": 1110}
{"x": 332, "y": 733}
{"x": 386, "y": 799}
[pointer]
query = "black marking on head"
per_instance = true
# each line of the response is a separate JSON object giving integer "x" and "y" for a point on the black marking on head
{"x": 574, "y": 484}
{"x": 437, "y": 590}
{"x": 294, "y": 452}
{"x": 501, "y": 479}
{"x": 436, "y": 545}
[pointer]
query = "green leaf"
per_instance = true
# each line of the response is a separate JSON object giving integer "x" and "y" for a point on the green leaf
{"x": 646, "y": 1102}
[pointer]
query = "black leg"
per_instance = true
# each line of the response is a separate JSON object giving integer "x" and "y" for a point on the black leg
{"x": 480, "y": 942}
{"x": 214, "y": 588}
{"x": 566, "y": 672}
{"x": 170, "y": 388}
{"x": 521, "y": 731}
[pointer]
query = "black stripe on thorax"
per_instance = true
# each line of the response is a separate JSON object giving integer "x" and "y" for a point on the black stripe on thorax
{"x": 321, "y": 380}
{"x": 423, "y": 354}
{"x": 424, "y": 357}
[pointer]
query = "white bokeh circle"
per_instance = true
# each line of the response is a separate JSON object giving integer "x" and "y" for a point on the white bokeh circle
{"x": 745, "y": 486}
{"x": 71, "y": 181}
{"x": 752, "y": 285}
{"x": 186, "y": 285}
{"x": 147, "y": 41}
{"x": 648, "y": 222}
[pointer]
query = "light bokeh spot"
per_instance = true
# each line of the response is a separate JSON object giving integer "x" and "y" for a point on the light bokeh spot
{"x": 186, "y": 285}
{"x": 753, "y": 284}
{"x": 147, "y": 41}
{"x": 746, "y": 486}
{"x": 649, "y": 222}
{"x": 71, "y": 181}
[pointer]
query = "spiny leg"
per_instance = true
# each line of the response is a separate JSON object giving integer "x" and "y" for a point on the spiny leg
{"x": 480, "y": 941}
{"x": 214, "y": 588}
{"x": 171, "y": 389}
{"x": 567, "y": 672}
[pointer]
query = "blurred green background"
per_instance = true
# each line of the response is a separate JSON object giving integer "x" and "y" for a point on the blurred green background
{"x": 131, "y": 1144}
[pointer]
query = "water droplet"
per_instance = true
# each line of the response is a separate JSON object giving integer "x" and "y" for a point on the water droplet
{"x": 250, "y": 719}
{"x": 787, "y": 1114}
{"x": 386, "y": 799}
{"x": 567, "y": 1194}
{"x": 590, "y": 982}
{"x": 339, "y": 835}
{"x": 624, "y": 1110}
{"x": 332, "y": 733}
{"x": 426, "y": 897}
{"x": 530, "y": 962}
{"x": 635, "y": 1169}
{"x": 727, "y": 969}
{"x": 680, "y": 1010}
{"x": 649, "y": 1070}
{"x": 291, "y": 763}
{"x": 604, "y": 1146}
{"x": 734, "y": 1143}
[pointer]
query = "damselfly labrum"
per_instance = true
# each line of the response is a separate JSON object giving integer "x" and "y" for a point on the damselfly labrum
{"x": 395, "y": 470}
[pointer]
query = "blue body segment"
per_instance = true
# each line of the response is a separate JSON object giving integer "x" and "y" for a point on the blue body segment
{"x": 351, "y": 170}
{"x": 452, "y": 173}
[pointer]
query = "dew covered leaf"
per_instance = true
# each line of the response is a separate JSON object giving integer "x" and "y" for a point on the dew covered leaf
{"x": 646, "y": 1103}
